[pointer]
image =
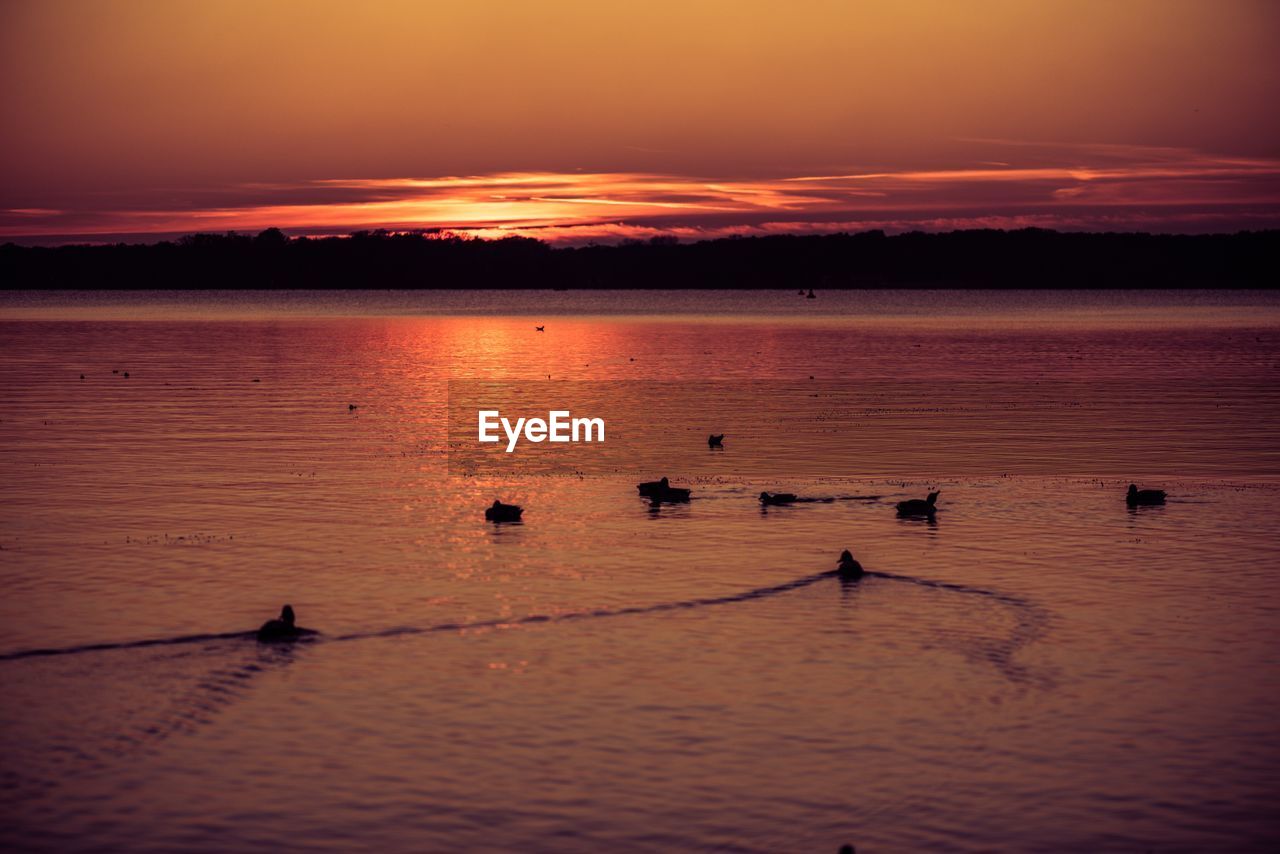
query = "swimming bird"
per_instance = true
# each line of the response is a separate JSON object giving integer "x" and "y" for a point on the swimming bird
{"x": 671, "y": 494}
{"x": 282, "y": 629}
{"x": 82, "y": 376}
{"x": 811, "y": 295}
{"x": 499, "y": 512}
{"x": 126, "y": 375}
{"x": 776, "y": 498}
{"x": 649, "y": 487}
{"x": 351, "y": 407}
{"x": 848, "y": 568}
{"x": 539, "y": 329}
{"x": 919, "y": 506}
{"x": 662, "y": 490}
{"x": 674, "y": 495}
{"x": 714, "y": 441}
{"x": 1143, "y": 497}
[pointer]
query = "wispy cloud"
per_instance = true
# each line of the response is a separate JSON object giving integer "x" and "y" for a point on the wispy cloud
{"x": 1092, "y": 186}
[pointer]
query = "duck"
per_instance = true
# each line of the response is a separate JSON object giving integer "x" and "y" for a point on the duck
{"x": 1138, "y": 497}
{"x": 919, "y": 506}
{"x": 662, "y": 490}
{"x": 499, "y": 512}
{"x": 539, "y": 329}
{"x": 848, "y": 568}
{"x": 714, "y": 441}
{"x": 649, "y": 487}
{"x": 671, "y": 494}
{"x": 776, "y": 498}
{"x": 282, "y": 628}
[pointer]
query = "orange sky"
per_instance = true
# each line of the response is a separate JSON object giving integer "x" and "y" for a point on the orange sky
{"x": 593, "y": 120}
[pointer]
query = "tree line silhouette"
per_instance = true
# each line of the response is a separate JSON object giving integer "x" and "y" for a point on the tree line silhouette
{"x": 435, "y": 259}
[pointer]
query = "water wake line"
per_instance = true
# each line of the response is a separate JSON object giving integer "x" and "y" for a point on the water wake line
{"x": 1030, "y": 626}
{"x": 758, "y": 593}
{"x": 1032, "y": 622}
{"x": 102, "y": 647}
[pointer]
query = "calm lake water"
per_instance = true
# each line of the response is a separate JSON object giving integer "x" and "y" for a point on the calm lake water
{"x": 1051, "y": 670}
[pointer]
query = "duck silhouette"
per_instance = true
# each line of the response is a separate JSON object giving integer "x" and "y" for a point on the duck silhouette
{"x": 714, "y": 441}
{"x": 671, "y": 494}
{"x": 282, "y": 628}
{"x": 919, "y": 506}
{"x": 776, "y": 498}
{"x": 499, "y": 512}
{"x": 649, "y": 487}
{"x": 1143, "y": 497}
{"x": 539, "y": 329}
{"x": 662, "y": 490}
{"x": 847, "y": 568}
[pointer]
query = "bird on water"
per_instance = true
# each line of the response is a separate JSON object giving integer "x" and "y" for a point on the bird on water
{"x": 777, "y": 498}
{"x": 848, "y": 568}
{"x": 714, "y": 441}
{"x": 649, "y": 487}
{"x": 662, "y": 490}
{"x": 919, "y": 506}
{"x": 499, "y": 512}
{"x": 284, "y": 628}
{"x": 1143, "y": 497}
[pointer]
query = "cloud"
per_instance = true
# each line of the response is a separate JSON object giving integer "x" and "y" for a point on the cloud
{"x": 1086, "y": 186}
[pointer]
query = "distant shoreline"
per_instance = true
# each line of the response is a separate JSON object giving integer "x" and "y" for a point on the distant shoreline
{"x": 1026, "y": 258}
{"x": 971, "y": 308}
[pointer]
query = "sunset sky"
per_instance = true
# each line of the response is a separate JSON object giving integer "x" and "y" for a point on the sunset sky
{"x": 577, "y": 121}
